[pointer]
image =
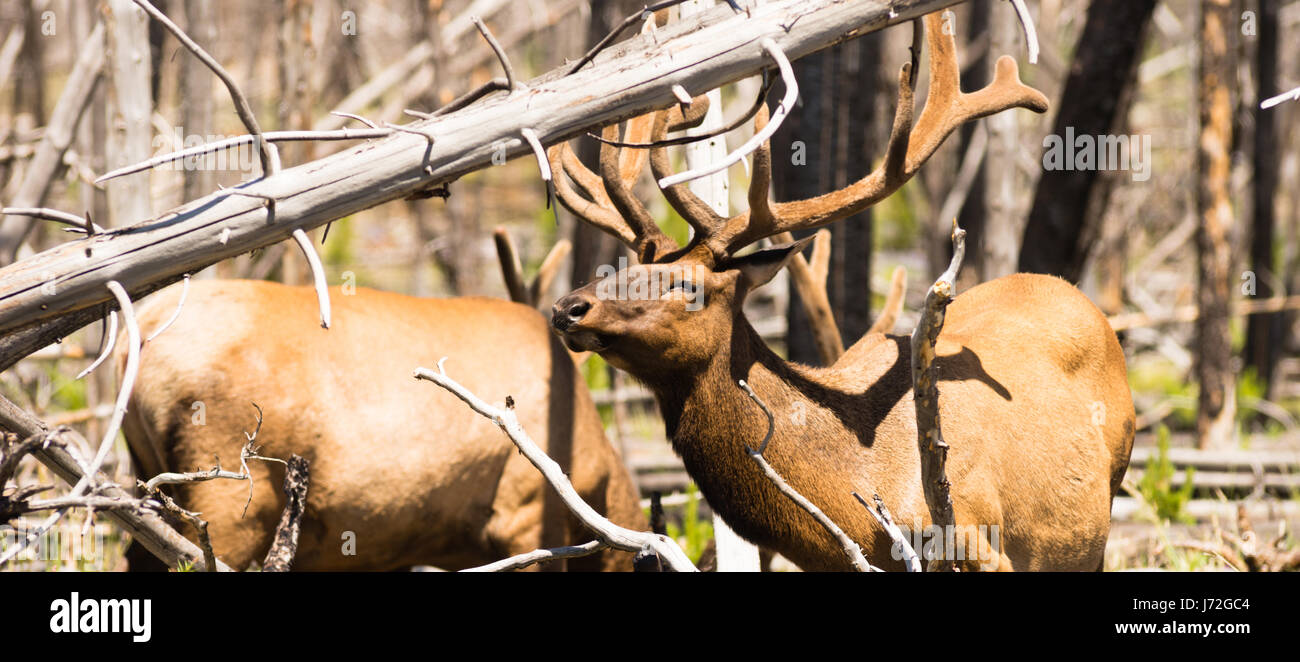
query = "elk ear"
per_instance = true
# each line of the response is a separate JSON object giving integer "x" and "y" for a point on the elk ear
{"x": 760, "y": 266}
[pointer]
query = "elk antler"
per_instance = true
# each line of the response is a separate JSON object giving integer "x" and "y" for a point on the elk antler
{"x": 946, "y": 108}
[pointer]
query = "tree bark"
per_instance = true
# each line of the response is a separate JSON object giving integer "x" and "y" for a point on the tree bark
{"x": 1061, "y": 229}
{"x": 1216, "y": 412}
{"x": 826, "y": 143}
{"x": 1264, "y": 332}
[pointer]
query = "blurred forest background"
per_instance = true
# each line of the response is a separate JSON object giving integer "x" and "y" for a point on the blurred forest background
{"x": 1196, "y": 257}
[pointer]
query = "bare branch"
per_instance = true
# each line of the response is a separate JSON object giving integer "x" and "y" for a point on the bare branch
{"x": 925, "y": 394}
{"x": 228, "y": 143}
{"x": 106, "y": 343}
{"x": 759, "y": 137}
{"x": 851, "y": 548}
{"x": 77, "y": 222}
{"x": 539, "y": 555}
{"x": 269, "y": 155}
{"x": 1027, "y": 22}
{"x": 606, "y": 531}
{"x": 881, "y": 513}
{"x": 496, "y": 48}
{"x": 284, "y": 545}
{"x": 185, "y": 290}
{"x": 318, "y": 276}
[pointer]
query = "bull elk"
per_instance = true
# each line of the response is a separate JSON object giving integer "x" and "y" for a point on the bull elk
{"x": 1033, "y": 391}
{"x": 396, "y": 479}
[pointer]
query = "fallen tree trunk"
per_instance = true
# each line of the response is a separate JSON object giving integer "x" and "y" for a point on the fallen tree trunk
{"x": 630, "y": 78}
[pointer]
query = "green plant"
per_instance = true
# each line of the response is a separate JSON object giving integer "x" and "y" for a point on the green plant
{"x": 184, "y": 566}
{"x": 1156, "y": 484}
{"x": 695, "y": 532}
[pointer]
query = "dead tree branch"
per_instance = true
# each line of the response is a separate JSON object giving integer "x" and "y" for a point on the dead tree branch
{"x": 925, "y": 395}
{"x": 851, "y": 548}
{"x": 539, "y": 555}
{"x": 147, "y": 527}
{"x": 48, "y": 158}
{"x": 284, "y": 545}
{"x": 703, "y": 52}
{"x": 606, "y": 531}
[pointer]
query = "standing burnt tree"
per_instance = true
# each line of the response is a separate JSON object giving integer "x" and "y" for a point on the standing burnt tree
{"x": 828, "y": 141}
{"x": 1216, "y": 411}
{"x": 1065, "y": 217}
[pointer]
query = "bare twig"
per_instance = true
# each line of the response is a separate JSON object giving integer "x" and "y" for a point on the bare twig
{"x": 1290, "y": 95}
{"x": 759, "y": 137}
{"x": 144, "y": 526}
{"x": 107, "y": 341}
{"x": 881, "y": 513}
{"x": 274, "y": 136}
{"x": 78, "y": 223}
{"x": 185, "y": 290}
{"x": 606, "y": 531}
{"x": 511, "y": 84}
{"x": 269, "y": 155}
{"x": 851, "y": 548}
{"x": 318, "y": 275}
{"x": 627, "y": 23}
{"x": 925, "y": 394}
{"x": 1031, "y": 35}
{"x": 539, "y": 555}
{"x": 697, "y": 137}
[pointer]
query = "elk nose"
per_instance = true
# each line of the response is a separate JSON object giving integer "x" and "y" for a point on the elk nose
{"x": 568, "y": 311}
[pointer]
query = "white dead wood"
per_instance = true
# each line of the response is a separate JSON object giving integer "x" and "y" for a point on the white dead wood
{"x": 778, "y": 116}
{"x": 704, "y": 52}
{"x": 1290, "y": 95}
{"x": 107, "y": 341}
{"x": 910, "y": 560}
{"x": 606, "y": 531}
{"x": 145, "y": 527}
{"x": 47, "y": 159}
{"x": 1031, "y": 35}
{"x": 185, "y": 290}
{"x": 526, "y": 559}
{"x": 83, "y": 485}
{"x": 77, "y": 223}
{"x": 925, "y": 394}
{"x": 266, "y": 151}
{"x": 228, "y": 143}
{"x": 317, "y": 275}
{"x": 851, "y": 548}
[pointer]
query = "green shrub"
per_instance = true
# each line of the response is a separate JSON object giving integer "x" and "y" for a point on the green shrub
{"x": 1156, "y": 484}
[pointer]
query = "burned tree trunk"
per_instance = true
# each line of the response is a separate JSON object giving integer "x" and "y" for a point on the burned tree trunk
{"x": 1216, "y": 402}
{"x": 826, "y": 143}
{"x": 1061, "y": 230}
{"x": 1264, "y": 331}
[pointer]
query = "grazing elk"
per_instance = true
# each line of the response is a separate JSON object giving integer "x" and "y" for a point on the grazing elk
{"x": 404, "y": 475}
{"x": 1033, "y": 391}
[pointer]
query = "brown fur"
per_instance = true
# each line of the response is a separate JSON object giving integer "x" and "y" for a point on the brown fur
{"x": 1033, "y": 395}
{"x": 416, "y": 475}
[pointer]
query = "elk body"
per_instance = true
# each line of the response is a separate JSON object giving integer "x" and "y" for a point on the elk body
{"x": 1033, "y": 391}
{"x": 404, "y": 474}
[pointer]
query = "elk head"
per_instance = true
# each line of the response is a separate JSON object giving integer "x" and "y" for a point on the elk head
{"x": 678, "y": 308}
